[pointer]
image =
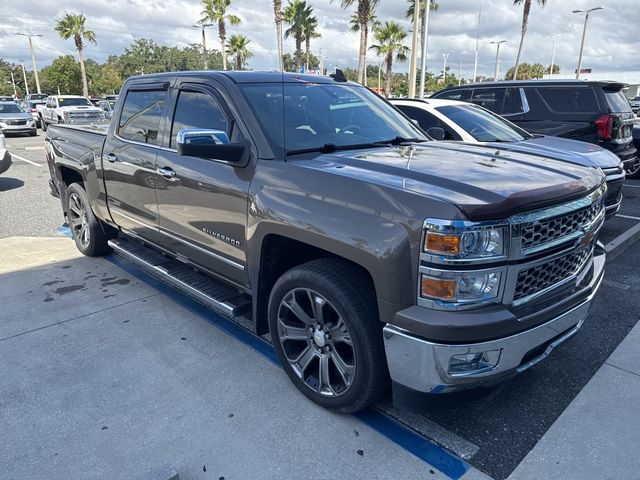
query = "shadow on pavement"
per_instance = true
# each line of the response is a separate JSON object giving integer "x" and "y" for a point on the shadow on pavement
{"x": 8, "y": 183}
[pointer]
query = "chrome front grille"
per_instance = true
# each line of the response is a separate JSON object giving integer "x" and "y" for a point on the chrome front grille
{"x": 541, "y": 232}
{"x": 536, "y": 280}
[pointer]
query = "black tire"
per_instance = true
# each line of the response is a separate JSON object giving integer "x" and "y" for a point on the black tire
{"x": 43, "y": 125}
{"x": 33, "y": 133}
{"x": 343, "y": 290}
{"x": 86, "y": 230}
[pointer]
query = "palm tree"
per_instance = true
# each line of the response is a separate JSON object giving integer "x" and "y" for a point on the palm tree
{"x": 409, "y": 14}
{"x": 525, "y": 22}
{"x": 363, "y": 13}
{"x": 297, "y": 15}
{"x": 215, "y": 11}
{"x": 277, "y": 13}
{"x": 238, "y": 48}
{"x": 310, "y": 31}
{"x": 72, "y": 25}
{"x": 390, "y": 45}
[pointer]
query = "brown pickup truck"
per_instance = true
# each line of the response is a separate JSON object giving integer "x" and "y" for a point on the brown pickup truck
{"x": 311, "y": 209}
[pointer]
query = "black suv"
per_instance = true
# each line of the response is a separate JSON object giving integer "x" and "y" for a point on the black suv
{"x": 592, "y": 111}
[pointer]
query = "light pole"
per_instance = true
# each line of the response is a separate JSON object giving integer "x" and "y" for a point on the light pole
{"x": 33, "y": 57}
{"x": 584, "y": 33}
{"x": 205, "y": 60}
{"x": 425, "y": 41}
{"x": 414, "y": 50}
{"x": 24, "y": 76}
{"x": 13, "y": 82}
{"x": 475, "y": 62}
{"x": 497, "y": 68}
{"x": 553, "y": 57}
{"x": 444, "y": 68}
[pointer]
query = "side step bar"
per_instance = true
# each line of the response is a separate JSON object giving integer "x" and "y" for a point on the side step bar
{"x": 214, "y": 293}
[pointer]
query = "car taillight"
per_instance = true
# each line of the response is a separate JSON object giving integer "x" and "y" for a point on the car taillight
{"x": 604, "y": 127}
{"x": 34, "y": 110}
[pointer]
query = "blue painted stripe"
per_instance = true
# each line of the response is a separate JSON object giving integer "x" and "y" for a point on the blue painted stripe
{"x": 424, "y": 449}
{"x": 66, "y": 231}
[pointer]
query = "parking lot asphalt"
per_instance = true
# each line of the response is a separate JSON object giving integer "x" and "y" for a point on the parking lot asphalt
{"x": 493, "y": 429}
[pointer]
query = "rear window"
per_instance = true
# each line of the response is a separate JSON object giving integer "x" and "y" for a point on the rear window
{"x": 461, "y": 95}
{"x": 618, "y": 102}
{"x": 489, "y": 98}
{"x": 140, "y": 118}
{"x": 570, "y": 99}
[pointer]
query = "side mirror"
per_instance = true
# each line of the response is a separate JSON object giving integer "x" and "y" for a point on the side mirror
{"x": 213, "y": 144}
{"x": 436, "y": 133}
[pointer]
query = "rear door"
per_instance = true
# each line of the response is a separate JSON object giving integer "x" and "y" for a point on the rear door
{"x": 129, "y": 158}
{"x": 202, "y": 204}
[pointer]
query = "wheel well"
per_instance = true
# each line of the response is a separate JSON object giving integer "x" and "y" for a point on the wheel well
{"x": 70, "y": 176}
{"x": 280, "y": 254}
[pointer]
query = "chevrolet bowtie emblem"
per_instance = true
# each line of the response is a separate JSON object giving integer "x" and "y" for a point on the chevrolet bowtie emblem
{"x": 585, "y": 241}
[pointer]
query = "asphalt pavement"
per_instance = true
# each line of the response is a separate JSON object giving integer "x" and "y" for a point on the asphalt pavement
{"x": 490, "y": 430}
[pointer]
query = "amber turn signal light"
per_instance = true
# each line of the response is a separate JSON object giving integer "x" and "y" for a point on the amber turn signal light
{"x": 439, "y": 243}
{"x": 442, "y": 288}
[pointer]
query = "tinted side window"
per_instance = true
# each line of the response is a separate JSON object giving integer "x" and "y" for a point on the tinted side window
{"x": 140, "y": 118}
{"x": 427, "y": 120}
{"x": 569, "y": 99}
{"x": 618, "y": 102}
{"x": 461, "y": 95}
{"x": 489, "y": 98}
{"x": 197, "y": 110}
{"x": 512, "y": 102}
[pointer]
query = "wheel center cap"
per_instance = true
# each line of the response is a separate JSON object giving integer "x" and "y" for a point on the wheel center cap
{"x": 318, "y": 338}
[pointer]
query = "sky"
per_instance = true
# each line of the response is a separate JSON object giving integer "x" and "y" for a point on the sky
{"x": 612, "y": 48}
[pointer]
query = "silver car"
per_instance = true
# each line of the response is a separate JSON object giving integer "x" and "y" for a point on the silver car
{"x": 13, "y": 119}
{"x": 30, "y": 106}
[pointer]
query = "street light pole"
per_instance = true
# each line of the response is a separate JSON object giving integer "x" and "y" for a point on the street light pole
{"x": 24, "y": 75}
{"x": 584, "y": 34}
{"x": 475, "y": 62}
{"x": 33, "y": 57}
{"x": 444, "y": 68}
{"x": 13, "y": 82}
{"x": 414, "y": 50}
{"x": 425, "y": 41}
{"x": 553, "y": 57}
{"x": 205, "y": 60}
{"x": 497, "y": 68}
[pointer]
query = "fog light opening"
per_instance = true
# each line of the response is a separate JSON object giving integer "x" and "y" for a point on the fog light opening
{"x": 473, "y": 363}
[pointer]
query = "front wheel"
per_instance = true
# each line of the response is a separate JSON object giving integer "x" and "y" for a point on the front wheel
{"x": 632, "y": 170}
{"x": 86, "y": 230}
{"x": 43, "y": 125}
{"x": 325, "y": 330}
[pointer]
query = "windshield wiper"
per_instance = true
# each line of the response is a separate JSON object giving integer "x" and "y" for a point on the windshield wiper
{"x": 400, "y": 140}
{"x": 332, "y": 147}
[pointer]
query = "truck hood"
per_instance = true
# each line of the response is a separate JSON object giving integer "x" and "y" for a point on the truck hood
{"x": 580, "y": 153}
{"x": 484, "y": 183}
{"x": 79, "y": 108}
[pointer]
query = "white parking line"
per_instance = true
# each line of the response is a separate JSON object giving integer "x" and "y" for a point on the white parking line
{"x": 628, "y": 216}
{"x": 632, "y": 186}
{"x": 13, "y": 155}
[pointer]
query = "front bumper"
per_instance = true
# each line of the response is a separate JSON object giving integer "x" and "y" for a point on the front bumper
{"x": 28, "y": 128}
{"x": 433, "y": 367}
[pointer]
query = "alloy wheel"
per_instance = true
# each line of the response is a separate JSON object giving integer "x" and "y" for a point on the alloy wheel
{"x": 78, "y": 220}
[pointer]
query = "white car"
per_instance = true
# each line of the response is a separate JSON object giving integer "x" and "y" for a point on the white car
{"x": 70, "y": 109}
{"x": 466, "y": 122}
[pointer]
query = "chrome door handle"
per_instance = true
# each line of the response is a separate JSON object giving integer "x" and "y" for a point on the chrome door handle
{"x": 111, "y": 157}
{"x": 166, "y": 172}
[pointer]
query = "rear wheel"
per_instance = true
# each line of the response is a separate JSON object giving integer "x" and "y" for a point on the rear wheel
{"x": 632, "y": 169}
{"x": 86, "y": 229}
{"x": 43, "y": 124}
{"x": 325, "y": 330}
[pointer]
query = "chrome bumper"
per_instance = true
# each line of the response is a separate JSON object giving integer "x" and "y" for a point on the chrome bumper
{"x": 426, "y": 367}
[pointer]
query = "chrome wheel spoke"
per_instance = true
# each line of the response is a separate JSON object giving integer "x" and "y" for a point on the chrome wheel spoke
{"x": 287, "y": 332}
{"x": 324, "y": 383}
{"x": 297, "y": 310}
{"x": 317, "y": 304}
{"x": 340, "y": 333}
{"x": 345, "y": 371}
{"x": 304, "y": 359}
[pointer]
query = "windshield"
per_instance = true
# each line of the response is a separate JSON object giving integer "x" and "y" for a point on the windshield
{"x": 73, "y": 102}
{"x": 298, "y": 116}
{"x": 10, "y": 108}
{"x": 483, "y": 125}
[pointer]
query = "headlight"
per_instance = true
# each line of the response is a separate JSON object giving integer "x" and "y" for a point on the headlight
{"x": 460, "y": 287}
{"x": 464, "y": 240}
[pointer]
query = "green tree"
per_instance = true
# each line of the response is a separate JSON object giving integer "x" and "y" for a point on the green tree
{"x": 238, "y": 48}
{"x": 527, "y": 71}
{"x": 423, "y": 24}
{"x": 310, "y": 31}
{"x": 363, "y": 13}
{"x": 73, "y": 26}
{"x": 390, "y": 39}
{"x": 296, "y": 15}
{"x": 108, "y": 80}
{"x": 525, "y": 22}
{"x": 215, "y": 11}
{"x": 64, "y": 74}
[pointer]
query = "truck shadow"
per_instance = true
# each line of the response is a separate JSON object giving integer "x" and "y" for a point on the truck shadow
{"x": 9, "y": 183}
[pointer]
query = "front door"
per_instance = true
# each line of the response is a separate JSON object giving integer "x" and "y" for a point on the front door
{"x": 202, "y": 203}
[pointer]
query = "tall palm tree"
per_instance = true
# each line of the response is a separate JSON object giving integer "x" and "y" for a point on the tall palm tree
{"x": 277, "y": 14}
{"x": 297, "y": 15}
{"x": 525, "y": 21}
{"x": 409, "y": 14}
{"x": 215, "y": 11}
{"x": 72, "y": 25}
{"x": 239, "y": 49}
{"x": 390, "y": 39}
{"x": 363, "y": 12}
{"x": 310, "y": 31}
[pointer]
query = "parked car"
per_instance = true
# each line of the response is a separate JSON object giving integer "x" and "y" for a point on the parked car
{"x": 31, "y": 106}
{"x": 6, "y": 98}
{"x": 310, "y": 208}
{"x": 590, "y": 111}
{"x": 635, "y": 104}
{"x": 470, "y": 123}
{"x": 111, "y": 97}
{"x": 107, "y": 106}
{"x": 13, "y": 119}
{"x": 36, "y": 96}
{"x": 71, "y": 109}
{"x": 5, "y": 156}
